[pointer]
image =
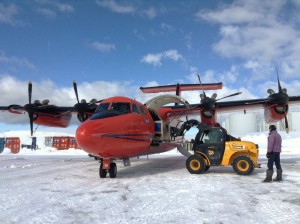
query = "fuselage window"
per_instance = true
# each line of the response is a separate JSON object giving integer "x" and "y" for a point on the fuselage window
{"x": 124, "y": 108}
{"x": 135, "y": 109}
{"x": 102, "y": 107}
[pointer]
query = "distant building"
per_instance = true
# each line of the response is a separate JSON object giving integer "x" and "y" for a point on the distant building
{"x": 242, "y": 123}
{"x": 254, "y": 122}
{"x": 294, "y": 121}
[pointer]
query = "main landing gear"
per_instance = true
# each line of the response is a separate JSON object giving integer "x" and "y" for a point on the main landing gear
{"x": 106, "y": 166}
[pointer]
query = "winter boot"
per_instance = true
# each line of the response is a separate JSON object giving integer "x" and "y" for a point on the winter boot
{"x": 269, "y": 176}
{"x": 279, "y": 175}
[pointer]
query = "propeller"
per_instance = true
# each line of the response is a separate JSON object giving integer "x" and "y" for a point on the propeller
{"x": 32, "y": 108}
{"x": 280, "y": 99}
{"x": 209, "y": 102}
{"x": 82, "y": 107}
{"x": 283, "y": 99}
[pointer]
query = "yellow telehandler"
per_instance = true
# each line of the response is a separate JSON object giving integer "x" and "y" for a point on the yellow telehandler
{"x": 213, "y": 146}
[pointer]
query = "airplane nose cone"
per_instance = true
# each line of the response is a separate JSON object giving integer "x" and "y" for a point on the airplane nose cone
{"x": 89, "y": 137}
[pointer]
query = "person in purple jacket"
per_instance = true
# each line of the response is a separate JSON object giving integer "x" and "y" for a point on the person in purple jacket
{"x": 273, "y": 154}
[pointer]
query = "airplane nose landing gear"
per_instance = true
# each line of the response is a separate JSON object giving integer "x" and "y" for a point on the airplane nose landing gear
{"x": 107, "y": 166}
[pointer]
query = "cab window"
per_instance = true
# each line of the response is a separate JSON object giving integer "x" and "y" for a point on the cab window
{"x": 212, "y": 136}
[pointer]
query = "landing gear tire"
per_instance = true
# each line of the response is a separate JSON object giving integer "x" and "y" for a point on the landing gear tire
{"x": 113, "y": 170}
{"x": 102, "y": 172}
{"x": 243, "y": 165}
{"x": 195, "y": 164}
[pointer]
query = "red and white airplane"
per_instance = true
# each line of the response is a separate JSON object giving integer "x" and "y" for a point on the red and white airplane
{"x": 122, "y": 128}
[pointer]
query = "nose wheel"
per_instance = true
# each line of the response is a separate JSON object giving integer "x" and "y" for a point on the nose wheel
{"x": 107, "y": 167}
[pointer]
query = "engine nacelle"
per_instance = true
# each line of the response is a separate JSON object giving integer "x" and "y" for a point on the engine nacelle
{"x": 275, "y": 113}
{"x": 60, "y": 120}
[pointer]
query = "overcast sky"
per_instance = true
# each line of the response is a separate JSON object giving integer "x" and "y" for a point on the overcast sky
{"x": 113, "y": 47}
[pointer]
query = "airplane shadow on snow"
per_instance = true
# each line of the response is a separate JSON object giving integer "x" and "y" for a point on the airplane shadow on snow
{"x": 151, "y": 166}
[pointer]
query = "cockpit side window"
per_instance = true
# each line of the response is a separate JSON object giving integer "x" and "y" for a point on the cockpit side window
{"x": 142, "y": 109}
{"x": 135, "y": 109}
{"x": 124, "y": 108}
{"x": 102, "y": 107}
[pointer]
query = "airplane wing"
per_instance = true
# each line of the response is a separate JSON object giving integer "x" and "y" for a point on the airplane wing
{"x": 43, "y": 113}
{"x": 226, "y": 106}
{"x": 251, "y": 104}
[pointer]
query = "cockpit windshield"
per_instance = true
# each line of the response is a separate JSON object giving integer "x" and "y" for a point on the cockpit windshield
{"x": 124, "y": 108}
{"x": 121, "y": 107}
{"x": 104, "y": 110}
{"x": 102, "y": 107}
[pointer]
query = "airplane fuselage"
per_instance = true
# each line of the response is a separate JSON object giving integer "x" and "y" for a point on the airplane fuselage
{"x": 120, "y": 128}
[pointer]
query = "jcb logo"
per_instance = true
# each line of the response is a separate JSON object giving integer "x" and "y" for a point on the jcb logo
{"x": 210, "y": 152}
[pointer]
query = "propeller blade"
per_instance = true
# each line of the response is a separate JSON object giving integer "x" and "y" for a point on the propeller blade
{"x": 284, "y": 90}
{"x": 92, "y": 101}
{"x": 279, "y": 86}
{"x": 31, "y": 123}
{"x": 214, "y": 96}
{"x": 29, "y": 107}
{"x": 199, "y": 79}
{"x": 286, "y": 121}
{"x": 234, "y": 94}
{"x": 29, "y": 91}
{"x": 75, "y": 90}
{"x": 201, "y": 84}
{"x": 286, "y": 124}
{"x": 270, "y": 91}
{"x": 81, "y": 106}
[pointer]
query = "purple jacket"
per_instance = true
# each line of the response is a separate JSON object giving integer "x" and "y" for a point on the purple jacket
{"x": 274, "y": 142}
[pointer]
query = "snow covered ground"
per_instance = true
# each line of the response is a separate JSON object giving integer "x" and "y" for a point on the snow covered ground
{"x": 50, "y": 186}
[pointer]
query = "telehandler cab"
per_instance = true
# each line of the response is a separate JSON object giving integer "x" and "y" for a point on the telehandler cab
{"x": 213, "y": 146}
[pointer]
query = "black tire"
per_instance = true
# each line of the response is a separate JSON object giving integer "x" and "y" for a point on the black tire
{"x": 207, "y": 168}
{"x": 243, "y": 165}
{"x": 195, "y": 164}
{"x": 113, "y": 170}
{"x": 102, "y": 172}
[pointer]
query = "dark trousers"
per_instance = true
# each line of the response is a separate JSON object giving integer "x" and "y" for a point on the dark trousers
{"x": 274, "y": 157}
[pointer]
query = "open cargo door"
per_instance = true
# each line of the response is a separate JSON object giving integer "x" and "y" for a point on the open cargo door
{"x": 162, "y": 100}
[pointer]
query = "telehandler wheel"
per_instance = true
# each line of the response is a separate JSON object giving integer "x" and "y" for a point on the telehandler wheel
{"x": 207, "y": 168}
{"x": 243, "y": 165}
{"x": 195, "y": 164}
